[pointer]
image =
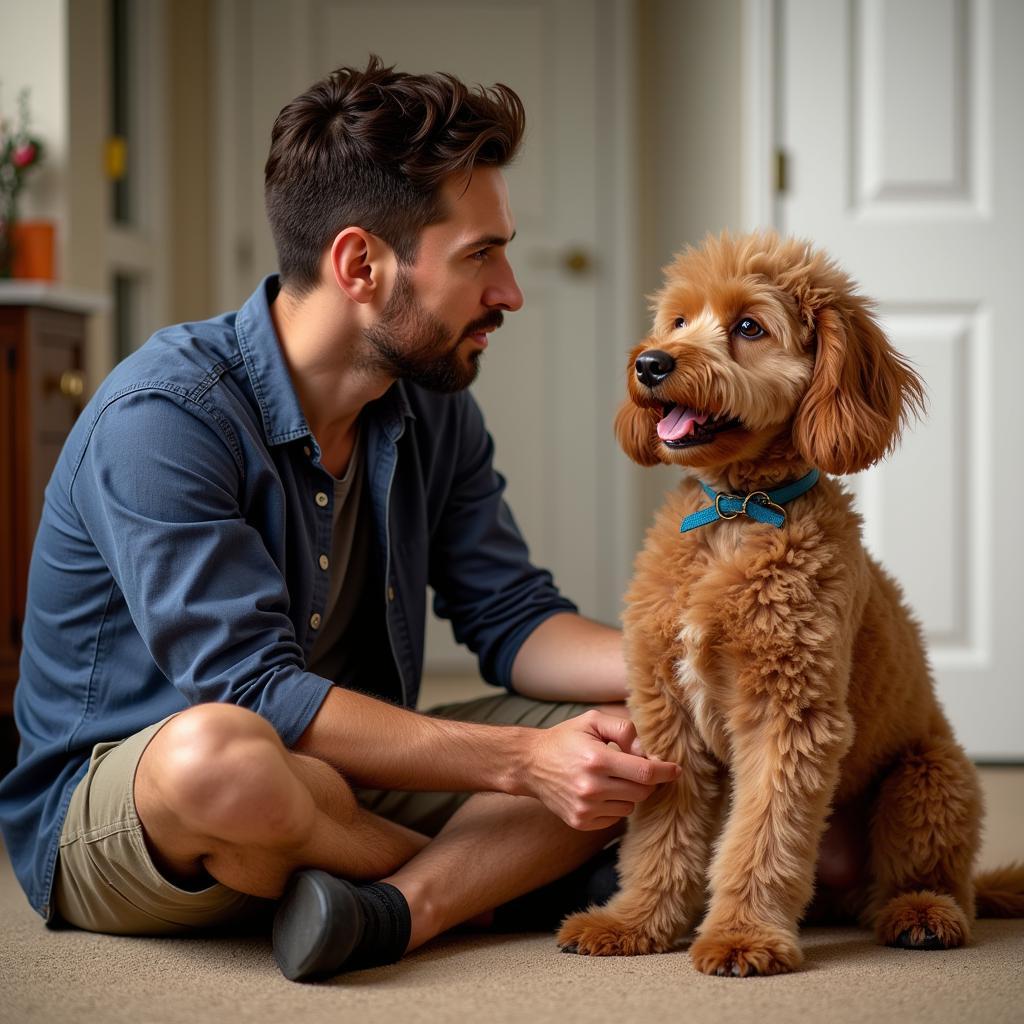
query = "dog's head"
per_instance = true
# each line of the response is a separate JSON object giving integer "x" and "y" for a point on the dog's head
{"x": 762, "y": 348}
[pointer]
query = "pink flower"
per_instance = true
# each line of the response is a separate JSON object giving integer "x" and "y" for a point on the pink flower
{"x": 24, "y": 156}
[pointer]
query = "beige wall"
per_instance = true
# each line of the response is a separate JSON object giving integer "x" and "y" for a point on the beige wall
{"x": 1002, "y": 837}
{"x": 691, "y": 146}
{"x": 691, "y": 97}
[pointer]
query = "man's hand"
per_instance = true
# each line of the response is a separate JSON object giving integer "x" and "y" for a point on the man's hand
{"x": 572, "y": 770}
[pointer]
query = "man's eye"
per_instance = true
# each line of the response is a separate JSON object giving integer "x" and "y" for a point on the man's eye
{"x": 679, "y": 323}
{"x": 480, "y": 254}
{"x": 749, "y": 328}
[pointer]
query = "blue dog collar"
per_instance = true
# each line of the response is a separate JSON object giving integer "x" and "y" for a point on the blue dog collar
{"x": 761, "y": 506}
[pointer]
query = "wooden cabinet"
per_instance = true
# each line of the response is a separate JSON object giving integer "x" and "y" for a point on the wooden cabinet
{"x": 42, "y": 391}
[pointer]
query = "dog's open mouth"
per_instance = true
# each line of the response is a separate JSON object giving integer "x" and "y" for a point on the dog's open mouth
{"x": 683, "y": 427}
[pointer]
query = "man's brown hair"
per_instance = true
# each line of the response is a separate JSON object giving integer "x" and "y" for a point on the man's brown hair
{"x": 372, "y": 148}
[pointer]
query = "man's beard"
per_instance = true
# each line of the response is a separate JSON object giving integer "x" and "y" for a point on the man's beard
{"x": 411, "y": 343}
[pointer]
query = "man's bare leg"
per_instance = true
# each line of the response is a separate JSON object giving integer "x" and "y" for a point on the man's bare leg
{"x": 219, "y": 794}
{"x": 493, "y": 849}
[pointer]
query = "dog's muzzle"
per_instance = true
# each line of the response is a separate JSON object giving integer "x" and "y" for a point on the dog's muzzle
{"x": 653, "y": 366}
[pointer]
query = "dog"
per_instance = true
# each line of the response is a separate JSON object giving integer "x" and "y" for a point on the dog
{"x": 768, "y": 653}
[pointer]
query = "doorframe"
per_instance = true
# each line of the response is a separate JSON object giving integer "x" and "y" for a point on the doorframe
{"x": 139, "y": 249}
{"x": 618, "y": 193}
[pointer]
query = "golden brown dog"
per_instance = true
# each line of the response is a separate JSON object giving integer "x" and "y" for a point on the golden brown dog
{"x": 777, "y": 663}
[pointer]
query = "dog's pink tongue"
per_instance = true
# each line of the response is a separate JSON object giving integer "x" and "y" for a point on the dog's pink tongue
{"x": 679, "y": 422}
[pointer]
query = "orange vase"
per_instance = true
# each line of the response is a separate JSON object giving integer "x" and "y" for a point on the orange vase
{"x": 33, "y": 250}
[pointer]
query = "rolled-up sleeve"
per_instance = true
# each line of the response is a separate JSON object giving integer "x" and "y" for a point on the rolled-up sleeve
{"x": 157, "y": 488}
{"x": 480, "y": 566}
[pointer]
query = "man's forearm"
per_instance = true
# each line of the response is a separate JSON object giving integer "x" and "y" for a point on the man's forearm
{"x": 589, "y": 770}
{"x": 570, "y": 658}
{"x": 375, "y": 744}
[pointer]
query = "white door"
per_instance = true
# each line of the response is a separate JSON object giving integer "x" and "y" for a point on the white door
{"x": 901, "y": 121}
{"x": 547, "y": 383}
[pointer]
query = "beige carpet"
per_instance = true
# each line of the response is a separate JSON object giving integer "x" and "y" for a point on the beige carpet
{"x": 82, "y": 978}
{"x": 522, "y": 979}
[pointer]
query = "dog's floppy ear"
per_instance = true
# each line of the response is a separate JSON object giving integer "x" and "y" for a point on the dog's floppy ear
{"x": 860, "y": 396}
{"x": 634, "y": 428}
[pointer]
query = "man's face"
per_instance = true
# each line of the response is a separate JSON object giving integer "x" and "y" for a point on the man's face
{"x": 435, "y": 324}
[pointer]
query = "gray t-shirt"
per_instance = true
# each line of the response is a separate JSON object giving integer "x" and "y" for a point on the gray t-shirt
{"x": 349, "y": 562}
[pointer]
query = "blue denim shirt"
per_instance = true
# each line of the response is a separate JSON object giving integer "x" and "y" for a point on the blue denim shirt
{"x": 177, "y": 560}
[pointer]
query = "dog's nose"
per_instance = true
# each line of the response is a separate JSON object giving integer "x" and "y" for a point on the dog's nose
{"x": 653, "y": 366}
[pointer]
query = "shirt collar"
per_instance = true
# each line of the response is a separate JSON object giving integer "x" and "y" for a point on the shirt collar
{"x": 283, "y": 419}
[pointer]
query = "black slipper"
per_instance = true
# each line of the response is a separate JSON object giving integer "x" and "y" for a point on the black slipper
{"x": 324, "y": 925}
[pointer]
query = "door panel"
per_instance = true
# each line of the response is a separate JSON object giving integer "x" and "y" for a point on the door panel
{"x": 902, "y": 126}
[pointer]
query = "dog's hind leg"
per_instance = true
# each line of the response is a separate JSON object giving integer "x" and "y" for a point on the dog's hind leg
{"x": 664, "y": 854}
{"x": 924, "y": 837}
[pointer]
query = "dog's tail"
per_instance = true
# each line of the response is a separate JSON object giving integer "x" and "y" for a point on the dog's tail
{"x": 1000, "y": 892}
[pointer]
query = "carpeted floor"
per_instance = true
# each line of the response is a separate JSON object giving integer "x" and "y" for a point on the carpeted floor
{"x": 520, "y": 979}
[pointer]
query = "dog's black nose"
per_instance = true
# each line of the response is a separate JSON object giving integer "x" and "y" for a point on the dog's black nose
{"x": 653, "y": 366}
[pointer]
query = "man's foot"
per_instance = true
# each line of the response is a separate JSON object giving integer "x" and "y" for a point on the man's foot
{"x": 325, "y": 925}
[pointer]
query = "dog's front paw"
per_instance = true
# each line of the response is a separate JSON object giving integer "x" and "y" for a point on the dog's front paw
{"x": 742, "y": 951}
{"x": 600, "y": 933}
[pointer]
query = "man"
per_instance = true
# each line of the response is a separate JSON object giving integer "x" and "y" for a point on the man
{"x": 224, "y": 632}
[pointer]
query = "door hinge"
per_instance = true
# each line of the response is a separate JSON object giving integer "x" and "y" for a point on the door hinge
{"x": 781, "y": 171}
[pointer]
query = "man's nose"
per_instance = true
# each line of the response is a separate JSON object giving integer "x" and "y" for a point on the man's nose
{"x": 653, "y": 366}
{"x": 505, "y": 293}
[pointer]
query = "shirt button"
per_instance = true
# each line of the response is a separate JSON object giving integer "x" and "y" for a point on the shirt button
{"x": 314, "y": 620}
{"x": 391, "y": 593}
{"x": 324, "y": 562}
{"x": 306, "y": 450}
{"x": 322, "y": 499}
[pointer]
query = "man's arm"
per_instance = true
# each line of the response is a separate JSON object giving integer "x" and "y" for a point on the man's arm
{"x": 570, "y": 658}
{"x": 157, "y": 487}
{"x": 570, "y": 768}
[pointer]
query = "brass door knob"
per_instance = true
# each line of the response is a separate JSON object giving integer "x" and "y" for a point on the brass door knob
{"x": 71, "y": 384}
{"x": 577, "y": 261}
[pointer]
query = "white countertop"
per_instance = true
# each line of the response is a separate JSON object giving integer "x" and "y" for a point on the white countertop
{"x": 50, "y": 295}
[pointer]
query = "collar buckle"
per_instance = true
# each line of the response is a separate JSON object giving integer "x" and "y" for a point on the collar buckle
{"x": 722, "y": 514}
{"x": 760, "y": 498}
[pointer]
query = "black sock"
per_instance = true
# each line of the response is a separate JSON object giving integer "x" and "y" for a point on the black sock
{"x": 387, "y": 926}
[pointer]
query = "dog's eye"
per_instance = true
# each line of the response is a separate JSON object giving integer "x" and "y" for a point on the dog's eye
{"x": 748, "y": 328}
{"x": 679, "y": 323}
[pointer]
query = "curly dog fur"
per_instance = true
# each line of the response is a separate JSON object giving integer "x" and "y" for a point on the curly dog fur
{"x": 780, "y": 667}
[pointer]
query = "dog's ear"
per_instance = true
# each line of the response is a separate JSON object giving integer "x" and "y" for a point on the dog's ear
{"x": 634, "y": 428}
{"x": 860, "y": 396}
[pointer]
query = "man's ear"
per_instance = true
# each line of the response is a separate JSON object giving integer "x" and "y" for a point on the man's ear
{"x": 361, "y": 263}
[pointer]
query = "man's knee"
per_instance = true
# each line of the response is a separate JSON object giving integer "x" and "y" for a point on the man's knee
{"x": 222, "y": 770}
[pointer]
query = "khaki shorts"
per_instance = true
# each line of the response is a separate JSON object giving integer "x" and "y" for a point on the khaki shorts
{"x": 106, "y": 880}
